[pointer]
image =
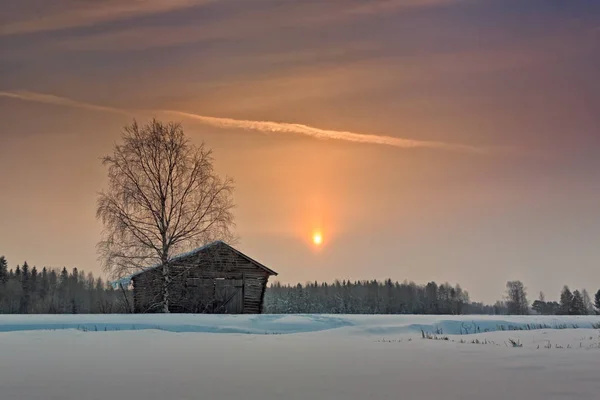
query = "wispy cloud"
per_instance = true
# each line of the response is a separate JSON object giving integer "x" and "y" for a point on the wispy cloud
{"x": 247, "y": 20}
{"x": 73, "y": 14}
{"x": 59, "y": 101}
{"x": 269, "y": 127}
{"x": 283, "y": 127}
{"x": 244, "y": 22}
{"x": 380, "y": 6}
{"x": 88, "y": 13}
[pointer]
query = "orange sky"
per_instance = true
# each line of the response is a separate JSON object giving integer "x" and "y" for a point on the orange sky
{"x": 427, "y": 140}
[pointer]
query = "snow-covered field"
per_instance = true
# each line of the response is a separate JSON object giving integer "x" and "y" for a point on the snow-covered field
{"x": 297, "y": 357}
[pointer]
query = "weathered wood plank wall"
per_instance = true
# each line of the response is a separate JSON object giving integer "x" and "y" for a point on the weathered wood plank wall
{"x": 203, "y": 282}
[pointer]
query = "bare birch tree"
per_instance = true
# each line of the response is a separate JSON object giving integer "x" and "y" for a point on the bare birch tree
{"x": 164, "y": 197}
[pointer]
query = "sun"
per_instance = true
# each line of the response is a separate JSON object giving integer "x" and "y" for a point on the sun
{"x": 317, "y": 238}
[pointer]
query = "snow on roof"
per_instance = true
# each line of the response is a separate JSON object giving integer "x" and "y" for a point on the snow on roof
{"x": 125, "y": 281}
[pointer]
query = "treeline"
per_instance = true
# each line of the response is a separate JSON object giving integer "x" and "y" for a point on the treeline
{"x": 570, "y": 303}
{"x": 370, "y": 297}
{"x": 25, "y": 290}
{"x": 375, "y": 297}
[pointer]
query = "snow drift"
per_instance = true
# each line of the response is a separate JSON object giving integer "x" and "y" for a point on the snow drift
{"x": 294, "y": 323}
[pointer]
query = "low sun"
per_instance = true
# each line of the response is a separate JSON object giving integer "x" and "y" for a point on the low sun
{"x": 317, "y": 238}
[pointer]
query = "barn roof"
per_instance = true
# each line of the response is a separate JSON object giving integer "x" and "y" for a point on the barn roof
{"x": 125, "y": 281}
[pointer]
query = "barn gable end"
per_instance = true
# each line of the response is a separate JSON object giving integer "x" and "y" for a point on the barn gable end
{"x": 212, "y": 279}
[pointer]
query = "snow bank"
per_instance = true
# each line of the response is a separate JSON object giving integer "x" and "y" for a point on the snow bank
{"x": 288, "y": 324}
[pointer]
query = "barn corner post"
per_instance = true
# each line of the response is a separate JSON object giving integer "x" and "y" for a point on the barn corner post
{"x": 243, "y": 292}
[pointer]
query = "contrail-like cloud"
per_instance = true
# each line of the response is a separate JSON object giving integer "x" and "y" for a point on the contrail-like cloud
{"x": 283, "y": 127}
{"x": 59, "y": 101}
{"x": 270, "y": 127}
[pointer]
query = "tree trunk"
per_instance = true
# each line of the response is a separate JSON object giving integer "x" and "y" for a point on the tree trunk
{"x": 166, "y": 281}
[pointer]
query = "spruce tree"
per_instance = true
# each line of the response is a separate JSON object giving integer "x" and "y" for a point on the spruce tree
{"x": 3, "y": 270}
{"x": 25, "y": 285}
{"x": 63, "y": 291}
{"x": 64, "y": 276}
{"x": 597, "y": 301}
{"x": 33, "y": 289}
{"x": 73, "y": 282}
{"x": 566, "y": 298}
{"x": 3, "y": 280}
{"x": 44, "y": 284}
{"x": 577, "y": 305}
{"x": 53, "y": 292}
{"x": 431, "y": 297}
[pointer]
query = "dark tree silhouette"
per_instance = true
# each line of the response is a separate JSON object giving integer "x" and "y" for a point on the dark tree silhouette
{"x": 3, "y": 270}
{"x": 566, "y": 301}
{"x": 577, "y": 304}
{"x": 516, "y": 298}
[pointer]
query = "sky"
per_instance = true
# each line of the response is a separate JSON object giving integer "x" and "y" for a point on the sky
{"x": 446, "y": 140}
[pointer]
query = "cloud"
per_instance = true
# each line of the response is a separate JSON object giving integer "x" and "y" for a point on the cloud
{"x": 88, "y": 13}
{"x": 382, "y": 6}
{"x": 270, "y": 127}
{"x": 241, "y": 23}
{"x": 283, "y": 127}
{"x": 246, "y": 20}
{"x": 67, "y": 14}
{"x": 59, "y": 101}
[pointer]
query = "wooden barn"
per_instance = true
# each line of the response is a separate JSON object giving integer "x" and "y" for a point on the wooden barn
{"x": 215, "y": 279}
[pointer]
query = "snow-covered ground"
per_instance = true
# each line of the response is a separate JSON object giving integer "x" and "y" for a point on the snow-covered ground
{"x": 297, "y": 357}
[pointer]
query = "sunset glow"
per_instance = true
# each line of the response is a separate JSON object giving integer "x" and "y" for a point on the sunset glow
{"x": 403, "y": 139}
{"x": 317, "y": 238}
{"x": 324, "y": 178}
